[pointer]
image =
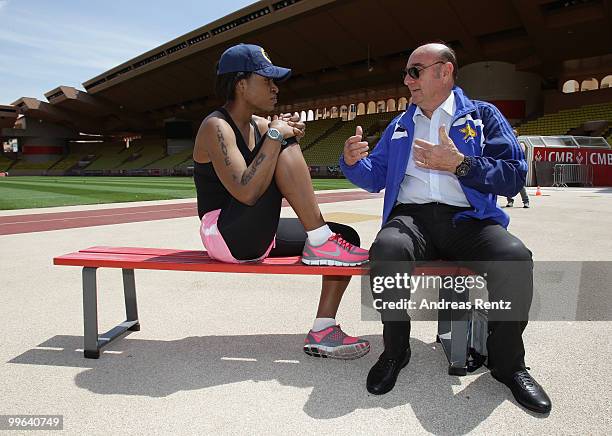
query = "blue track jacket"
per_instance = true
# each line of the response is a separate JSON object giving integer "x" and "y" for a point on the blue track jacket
{"x": 478, "y": 129}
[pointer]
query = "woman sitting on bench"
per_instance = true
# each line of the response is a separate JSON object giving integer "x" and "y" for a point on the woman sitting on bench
{"x": 243, "y": 167}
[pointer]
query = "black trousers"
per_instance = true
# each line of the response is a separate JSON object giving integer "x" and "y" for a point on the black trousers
{"x": 416, "y": 232}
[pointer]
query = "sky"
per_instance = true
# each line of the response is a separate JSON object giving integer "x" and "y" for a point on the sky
{"x": 48, "y": 43}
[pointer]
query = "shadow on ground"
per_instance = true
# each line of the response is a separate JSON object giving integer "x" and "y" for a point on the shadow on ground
{"x": 161, "y": 368}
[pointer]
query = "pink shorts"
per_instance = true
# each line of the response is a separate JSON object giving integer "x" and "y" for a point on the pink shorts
{"x": 214, "y": 243}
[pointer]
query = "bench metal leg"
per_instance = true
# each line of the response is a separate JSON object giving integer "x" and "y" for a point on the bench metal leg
{"x": 452, "y": 334}
{"x": 90, "y": 314}
{"x": 458, "y": 345}
{"x": 131, "y": 307}
{"x": 92, "y": 341}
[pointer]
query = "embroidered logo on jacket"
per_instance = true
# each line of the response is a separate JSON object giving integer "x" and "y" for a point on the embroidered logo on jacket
{"x": 468, "y": 132}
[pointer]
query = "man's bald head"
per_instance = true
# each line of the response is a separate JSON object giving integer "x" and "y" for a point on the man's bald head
{"x": 434, "y": 78}
{"x": 442, "y": 52}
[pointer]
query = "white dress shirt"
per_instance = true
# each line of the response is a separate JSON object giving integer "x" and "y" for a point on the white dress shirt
{"x": 422, "y": 185}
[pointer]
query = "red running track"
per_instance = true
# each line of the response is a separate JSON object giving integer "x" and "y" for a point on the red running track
{"x": 41, "y": 222}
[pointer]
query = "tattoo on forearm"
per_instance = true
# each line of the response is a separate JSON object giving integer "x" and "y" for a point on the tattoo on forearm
{"x": 221, "y": 140}
{"x": 246, "y": 177}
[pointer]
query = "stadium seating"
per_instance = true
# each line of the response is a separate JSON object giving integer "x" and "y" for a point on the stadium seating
{"x": 560, "y": 123}
{"x": 321, "y": 146}
{"x": 317, "y": 130}
{"x": 5, "y": 163}
{"x": 183, "y": 166}
{"x": 142, "y": 153}
{"x": 110, "y": 155}
{"x": 327, "y": 150}
{"x": 78, "y": 152}
{"x": 22, "y": 164}
{"x": 172, "y": 161}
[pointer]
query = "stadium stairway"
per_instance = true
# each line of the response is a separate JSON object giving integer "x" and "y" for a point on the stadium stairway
{"x": 78, "y": 153}
{"x": 171, "y": 161}
{"x": 145, "y": 152}
{"x": 109, "y": 156}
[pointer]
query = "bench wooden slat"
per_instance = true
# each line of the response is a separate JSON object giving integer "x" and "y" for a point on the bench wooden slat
{"x": 183, "y": 260}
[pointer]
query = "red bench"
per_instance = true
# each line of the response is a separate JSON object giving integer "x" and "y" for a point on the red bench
{"x": 131, "y": 258}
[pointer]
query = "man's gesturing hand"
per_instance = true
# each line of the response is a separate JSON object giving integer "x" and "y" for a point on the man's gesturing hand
{"x": 355, "y": 148}
{"x": 443, "y": 156}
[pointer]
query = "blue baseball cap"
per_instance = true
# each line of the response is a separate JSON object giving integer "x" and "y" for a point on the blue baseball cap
{"x": 250, "y": 58}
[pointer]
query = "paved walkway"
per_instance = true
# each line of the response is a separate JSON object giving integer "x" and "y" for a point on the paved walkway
{"x": 222, "y": 353}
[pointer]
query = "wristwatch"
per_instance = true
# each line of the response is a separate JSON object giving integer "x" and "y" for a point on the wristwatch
{"x": 464, "y": 167}
{"x": 276, "y": 135}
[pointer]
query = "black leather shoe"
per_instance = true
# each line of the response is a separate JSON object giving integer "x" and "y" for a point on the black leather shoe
{"x": 527, "y": 392}
{"x": 383, "y": 375}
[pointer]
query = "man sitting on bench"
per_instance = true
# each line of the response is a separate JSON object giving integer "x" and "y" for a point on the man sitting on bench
{"x": 442, "y": 163}
{"x": 243, "y": 167}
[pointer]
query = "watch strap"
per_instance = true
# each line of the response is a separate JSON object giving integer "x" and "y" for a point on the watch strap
{"x": 289, "y": 141}
{"x": 464, "y": 167}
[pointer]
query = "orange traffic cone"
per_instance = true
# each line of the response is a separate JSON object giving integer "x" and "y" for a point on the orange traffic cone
{"x": 538, "y": 191}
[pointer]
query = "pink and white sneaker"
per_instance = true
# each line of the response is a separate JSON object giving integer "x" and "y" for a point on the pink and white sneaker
{"x": 333, "y": 342}
{"x": 335, "y": 252}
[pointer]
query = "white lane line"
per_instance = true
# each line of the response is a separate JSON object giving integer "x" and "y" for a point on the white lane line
{"x": 49, "y": 348}
{"x": 240, "y": 359}
{"x": 286, "y": 361}
{"x": 80, "y": 350}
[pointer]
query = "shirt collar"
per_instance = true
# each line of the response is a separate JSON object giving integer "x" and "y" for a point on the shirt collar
{"x": 447, "y": 106}
{"x": 449, "y": 103}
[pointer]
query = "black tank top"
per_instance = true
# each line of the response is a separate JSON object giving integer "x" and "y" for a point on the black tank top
{"x": 210, "y": 191}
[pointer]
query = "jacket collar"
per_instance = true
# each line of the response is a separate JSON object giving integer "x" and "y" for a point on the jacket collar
{"x": 463, "y": 106}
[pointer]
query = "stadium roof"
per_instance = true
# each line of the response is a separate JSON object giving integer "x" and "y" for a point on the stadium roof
{"x": 8, "y": 115}
{"x": 329, "y": 44}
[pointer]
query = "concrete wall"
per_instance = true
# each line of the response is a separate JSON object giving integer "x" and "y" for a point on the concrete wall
{"x": 42, "y": 141}
{"x": 492, "y": 81}
{"x": 555, "y": 101}
{"x": 42, "y": 149}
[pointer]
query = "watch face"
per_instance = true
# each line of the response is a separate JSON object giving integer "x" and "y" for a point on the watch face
{"x": 462, "y": 169}
{"x": 274, "y": 133}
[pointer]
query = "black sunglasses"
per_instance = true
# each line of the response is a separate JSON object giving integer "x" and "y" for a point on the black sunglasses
{"x": 414, "y": 72}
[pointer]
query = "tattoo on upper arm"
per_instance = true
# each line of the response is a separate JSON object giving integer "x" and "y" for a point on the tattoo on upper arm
{"x": 246, "y": 177}
{"x": 221, "y": 140}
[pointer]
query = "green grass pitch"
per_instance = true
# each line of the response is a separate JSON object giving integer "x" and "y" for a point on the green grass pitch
{"x": 32, "y": 192}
